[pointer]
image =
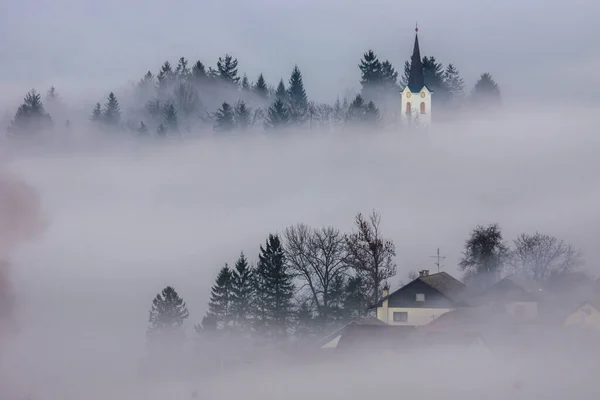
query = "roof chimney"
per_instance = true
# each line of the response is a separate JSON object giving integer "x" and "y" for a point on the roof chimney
{"x": 424, "y": 272}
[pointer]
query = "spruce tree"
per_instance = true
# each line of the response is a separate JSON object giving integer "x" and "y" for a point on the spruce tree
{"x": 245, "y": 83}
{"x": 224, "y": 118}
{"x": 96, "y": 113}
{"x": 297, "y": 96}
{"x": 242, "y": 116}
{"x": 454, "y": 83}
{"x": 371, "y": 114}
{"x": 278, "y": 286}
{"x": 198, "y": 75}
{"x": 406, "y": 74}
{"x": 281, "y": 92}
{"x": 227, "y": 70}
{"x": 278, "y": 115}
{"x": 171, "y": 124}
{"x": 434, "y": 80}
{"x": 220, "y": 302}
{"x": 167, "y": 315}
{"x": 165, "y": 77}
{"x": 356, "y": 298}
{"x": 260, "y": 87}
{"x": 486, "y": 92}
{"x": 371, "y": 75}
{"x": 111, "y": 115}
{"x": 389, "y": 77}
{"x": 30, "y": 118}
{"x": 182, "y": 71}
{"x": 242, "y": 293}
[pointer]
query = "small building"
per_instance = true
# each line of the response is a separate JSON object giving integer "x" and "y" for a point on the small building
{"x": 515, "y": 294}
{"x": 422, "y": 300}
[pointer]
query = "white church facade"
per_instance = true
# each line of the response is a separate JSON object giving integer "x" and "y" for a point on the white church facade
{"x": 416, "y": 96}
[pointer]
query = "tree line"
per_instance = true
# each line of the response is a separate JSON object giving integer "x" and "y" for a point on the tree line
{"x": 178, "y": 99}
{"x": 308, "y": 280}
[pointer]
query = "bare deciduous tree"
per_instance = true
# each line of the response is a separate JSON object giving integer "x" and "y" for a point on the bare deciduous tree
{"x": 317, "y": 256}
{"x": 541, "y": 256}
{"x": 369, "y": 254}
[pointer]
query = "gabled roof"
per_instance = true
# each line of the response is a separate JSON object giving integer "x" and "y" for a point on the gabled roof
{"x": 443, "y": 282}
{"x": 510, "y": 289}
{"x": 335, "y": 335}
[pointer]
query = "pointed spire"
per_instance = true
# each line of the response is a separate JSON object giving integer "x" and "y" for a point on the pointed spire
{"x": 416, "y": 79}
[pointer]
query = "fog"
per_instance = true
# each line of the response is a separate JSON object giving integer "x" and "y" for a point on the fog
{"x": 126, "y": 219}
{"x": 108, "y": 224}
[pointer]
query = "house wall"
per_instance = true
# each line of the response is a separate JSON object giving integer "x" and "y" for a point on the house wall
{"x": 586, "y": 315}
{"x": 416, "y": 316}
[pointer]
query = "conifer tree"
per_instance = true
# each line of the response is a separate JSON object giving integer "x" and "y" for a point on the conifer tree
{"x": 111, "y": 115}
{"x": 278, "y": 115}
{"x": 281, "y": 92}
{"x": 356, "y": 298}
{"x": 371, "y": 115}
{"x": 242, "y": 116}
{"x": 30, "y": 118}
{"x": 486, "y": 92}
{"x": 182, "y": 71}
{"x": 224, "y": 118}
{"x": 245, "y": 83}
{"x": 165, "y": 76}
{"x": 220, "y": 302}
{"x": 260, "y": 87}
{"x": 167, "y": 314}
{"x": 198, "y": 75}
{"x": 242, "y": 293}
{"x": 389, "y": 78}
{"x": 96, "y": 113}
{"x": 371, "y": 77}
{"x": 406, "y": 74}
{"x": 145, "y": 87}
{"x": 161, "y": 130}
{"x": 171, "y": 124}
{"x": 227, "y": 69}
{"x": 186, "y": 98}
{"x": 278, "y": 286}
{"x": 454, "y": 83}
{"x": 361, "y": 113}
{"x": 297, "y": 96}
{"x": 434, "y": 80}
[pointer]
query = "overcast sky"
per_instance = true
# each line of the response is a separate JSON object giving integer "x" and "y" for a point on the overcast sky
{"x": 535, "y": 48}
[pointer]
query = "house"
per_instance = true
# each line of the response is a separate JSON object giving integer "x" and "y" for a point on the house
{"x": 373, "y": 337}
{"x": 585, "y": 315}
{"x": 518, "y": 296}
{"x": 422, "y": 300}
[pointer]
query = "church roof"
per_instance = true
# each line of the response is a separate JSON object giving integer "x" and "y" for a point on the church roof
{"x": 416, "y": 78}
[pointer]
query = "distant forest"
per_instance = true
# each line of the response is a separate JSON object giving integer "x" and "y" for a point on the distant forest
{"x": 182, "y": 98}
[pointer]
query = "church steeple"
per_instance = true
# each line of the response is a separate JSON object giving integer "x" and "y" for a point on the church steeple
{"x": 416, "y": 79}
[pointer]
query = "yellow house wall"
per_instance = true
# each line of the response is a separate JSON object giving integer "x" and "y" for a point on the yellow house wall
{"x": 586, "y": 315}
{"x": 416, "y": 316}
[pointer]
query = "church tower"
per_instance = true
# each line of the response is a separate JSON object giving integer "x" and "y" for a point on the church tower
{"x": 416, "y": 97}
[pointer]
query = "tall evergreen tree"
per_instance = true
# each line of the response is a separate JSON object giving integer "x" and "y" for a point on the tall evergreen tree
{"x": 96, "y": 113}
{"x": 297, "y": 95}
{"x": 260, "y": 87}
{"x": 356, "y": 298}
{"x": 227, "y": 69}
{"x": 30, "y": 118}
{"x": 198, "y": 75}
{"x": 167, "y": 315}
{"x": 406, "y": 74}
{"x": 245, "y": 83}
{"x": 454, "y": 83}
{"x": 171, "y": 123}
{"x": 361, "y": 113}
{"x": 111, "y": 115}
{"x": 281, "y": 92}
{"x": 182, "y": 71}
{"x": 278, "y": 115}
{"x": 371, "y": 75}
{"x": 279, "y": 287}
{"x": 221, "y": 298}
{"x": 371, "y": 115}
{"x": 242, "y": 293}
{"x": 165, "y": 77}
{"x": 242, "y": 116}
{"x": 225, "y": 118}
{"x": 389, "y": 78}
{"x": 486, "y": 92}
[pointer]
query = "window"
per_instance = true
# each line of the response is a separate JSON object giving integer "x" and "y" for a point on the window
{"x": 408, "y": 106}
{"x": 400, "y": 316}
{"x": 422, "y": 107}
{"x": 420, "y": 297}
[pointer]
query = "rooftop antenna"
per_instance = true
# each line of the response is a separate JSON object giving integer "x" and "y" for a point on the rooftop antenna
{"x": 438, "y": 259}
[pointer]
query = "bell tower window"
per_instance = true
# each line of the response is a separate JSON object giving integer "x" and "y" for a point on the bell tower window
{"x": 422, "y": 107}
